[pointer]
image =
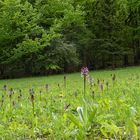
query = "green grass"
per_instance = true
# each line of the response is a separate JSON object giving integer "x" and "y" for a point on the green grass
{"x": 113, "y": 113}
{"x": 54, "y": 80}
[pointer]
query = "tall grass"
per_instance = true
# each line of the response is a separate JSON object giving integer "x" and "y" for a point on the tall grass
{"x": 55, "y": 108}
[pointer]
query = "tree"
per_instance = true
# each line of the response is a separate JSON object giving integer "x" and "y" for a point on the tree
{"x": 58, "y": 36}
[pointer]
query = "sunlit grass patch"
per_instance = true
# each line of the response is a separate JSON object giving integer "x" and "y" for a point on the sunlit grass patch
{"x": 54, "y": 107}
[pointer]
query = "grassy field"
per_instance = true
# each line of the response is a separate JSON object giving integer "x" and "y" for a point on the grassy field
{"x": 110, "y": 108}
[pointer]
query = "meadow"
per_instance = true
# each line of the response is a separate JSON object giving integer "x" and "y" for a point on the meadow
{"x": 57, "y": 108}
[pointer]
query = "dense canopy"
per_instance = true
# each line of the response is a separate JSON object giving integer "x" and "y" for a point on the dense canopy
{"x": 53, "y": 36}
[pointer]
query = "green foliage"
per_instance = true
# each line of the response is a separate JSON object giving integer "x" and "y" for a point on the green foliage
{"x": 59, "y": 35}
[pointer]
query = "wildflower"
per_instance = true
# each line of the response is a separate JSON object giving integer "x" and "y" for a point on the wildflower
{"x": 101, "y": 87}
{"x": 18, "y": 98}
{"x": 84, "y": 71}
{"x": 5, "y": 88}
{"x": 40, "y": 94}
{"x": 90, "y": 79}
{"x": 114, "y": 77}
{"x": 13, "y": 103}
{"x": 47, "y": 87}
{"x": 65, "y": 80}
{"x": 31, "y": 91}
{"x": 93, "y": 94}
{"x": 2, "y": 101}
{"x": 98, "y": 81}
{"x": 66, "y": 107}
{"x": 58, "y": 85}
{"x": 61, "y": 95}
{"x": 11, "y": 92}
{"x": 107, "y": 84}
{"x": 32, "y": 100}
{"x": 2, "y": 98}
{"x": 32, "y": 97}
{"x": 20, "y": 91}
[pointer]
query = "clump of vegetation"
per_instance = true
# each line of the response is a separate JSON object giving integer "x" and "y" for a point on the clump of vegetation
{"x": 57, "y": 36}
{"x": 109, "y": 109}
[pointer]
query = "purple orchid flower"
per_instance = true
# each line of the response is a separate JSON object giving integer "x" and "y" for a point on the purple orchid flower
{"x": 84, "y": 71}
